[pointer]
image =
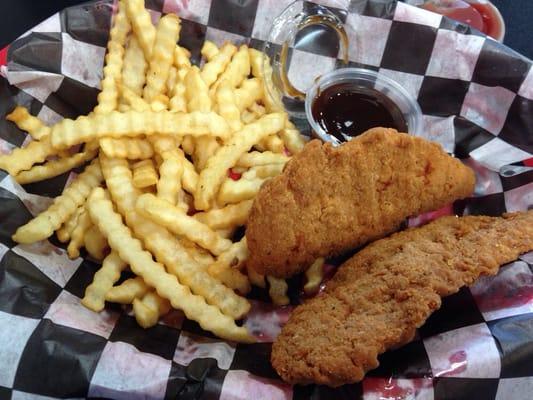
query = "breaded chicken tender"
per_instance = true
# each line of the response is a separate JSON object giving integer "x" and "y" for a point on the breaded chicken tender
{"x": 381, "y": 295}
{"x": 332, "y": 199}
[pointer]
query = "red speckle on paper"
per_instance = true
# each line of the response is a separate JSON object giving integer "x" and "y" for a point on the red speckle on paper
{"x": 529, "y": 162}
{"x": 287, "y": 152}
{"x": 3, "y": 56}
{"x": 234, "y": 175}
{"x": 395, "y": 389}
{"x": 507, "y": 294}
{"x": 458, "y": 364}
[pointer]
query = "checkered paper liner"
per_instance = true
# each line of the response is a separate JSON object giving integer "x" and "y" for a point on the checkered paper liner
{"x": 477, "y": 100}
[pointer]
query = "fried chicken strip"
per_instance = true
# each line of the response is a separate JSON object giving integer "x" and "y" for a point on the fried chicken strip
{"x": 381, "y": 295}
{"x": 332, "y": 199}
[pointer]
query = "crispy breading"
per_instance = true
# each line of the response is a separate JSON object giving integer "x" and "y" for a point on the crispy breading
{"x": 332, "y": 199}
{"x": 381, "y": 295}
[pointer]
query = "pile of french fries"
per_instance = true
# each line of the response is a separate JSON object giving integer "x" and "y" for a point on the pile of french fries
{"x": 176, "y": 154}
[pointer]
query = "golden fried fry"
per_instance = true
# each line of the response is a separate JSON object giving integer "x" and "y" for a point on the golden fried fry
{"x": 250, "y": 92}
{"x": 181, "y": 57}
{"x": 171, "y": 80}
{"x": 216, "y": 66}
{"x": 27, "y": 122}
{"x": 238, "y": 69}
{"x": 56, "y": 167}
{"x": 132, "y": 99}
{"x": 130, "y": 148}
{"x": 154, "y": 274}
{"x": 314, "y": 275}
{"x": 197, "y": 92}
{"x": 262, "y": 69}
{"x": 278, "y": 291}
{"x": 144, "y": 174}
{"x": 142, "y": 26}
{"x": 95, "y": 243}
{"x": 161, "y": 59}
{"x": 209, "y": 50}
{"x": 230, "y": 216}
{"x": 274, "y": 144}
{"x": 148, "y": 309}
{"x": 255, "y": 158}
{"x": 127, "y": 291}
{"x": 292, "y": 138}
{"x": 78, "y": 234}
{"x": 64, "y": 233}
{"x": 108, "y": 97}
{"x": 170, "y": 173}
{"x": 44, "y": 225}
{"x": 226, "y": 106}
{"x": 237, "y": 191}
{"x": 103, "y": 281}
{"x": 134, "y": 67}
{"x": 241, "y": 142}
{"x": 226, "y": 268}
{"x": 164, "y": 246}
{"x": 132, "y": 123}
{"x": 176, "y": 221}
{"x": 24, "y": 158}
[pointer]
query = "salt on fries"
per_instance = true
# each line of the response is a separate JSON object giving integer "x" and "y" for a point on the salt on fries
{"x": 168, "y": 141}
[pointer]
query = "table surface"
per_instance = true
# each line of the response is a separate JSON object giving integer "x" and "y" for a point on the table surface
{"x": 21, "y": 15}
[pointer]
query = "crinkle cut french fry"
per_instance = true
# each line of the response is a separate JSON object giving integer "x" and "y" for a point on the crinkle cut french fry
{"x": 255, "y": 158}
{"x": 78, "y": 235}
{"x": 136, "y": 102}
{"x": 188, "y": 144}
{"x": 314, "y": 275}
{"x": 132, "y": 123}
{"x": 170, "y": 173}
{"x": 163, "y": 144}
{"x": 44, "y": 225}
{"x": 209, "y": 50}
{"x": 293, "y": 139}
{"x": 204, "y": 149}
{"x": 176, "y": 221}
{"x": 237, "y": 191}
{"x": 130, "y": 148}
{"x": 196, "y": 91}
{"x": 127, "y": 291}
{"x": 134, "y": 67}
{"x": 172, "y": 80}
{"x": 130, "y": 250}
{"x": 274, "y": 144}
{"x": 202, "y": 256}
{"x": 227, "y": 264}
{"x": 230, "y": 216}
{"x": 247, "y": 118}
{"x": 55, "y": 167}
{"x": 278, "y": 291}
{"x": 181, "y": 57}
{"x": 226, "y": 156}
{"x": 167, "y": 34}
{"x": 216, "y": 66}
{"x": 64, "y": 233}
{"x": 95, "y": 243}
{"x": 238, "y": 69}
{"x": 227, "y": 108}
{"x": 190, "y": 177}
{"x": 108, "y": 97}
{"x": 27, "y": 122}
{"x": 141, "y": 22}
{"x": 263, "y": 171}
{"x": 149, "y": 309}
{"x": 250, "y": 92}
{"x": 103, "y": 281}
{"x": 144, "y": 174}
{"x": 165, "y": 246}
{"x": 23, "y": 158}
{"x": 262, "y": 69}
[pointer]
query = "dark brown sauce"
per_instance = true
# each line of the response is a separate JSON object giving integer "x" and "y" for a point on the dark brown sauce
{"x": 345, "y": 109}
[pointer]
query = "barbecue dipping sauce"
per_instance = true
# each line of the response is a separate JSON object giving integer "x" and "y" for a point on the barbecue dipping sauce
{"x": 346, "y": 110}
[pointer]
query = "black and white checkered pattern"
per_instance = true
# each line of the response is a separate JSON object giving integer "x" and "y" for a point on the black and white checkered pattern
{"x": 477, "y": 99}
